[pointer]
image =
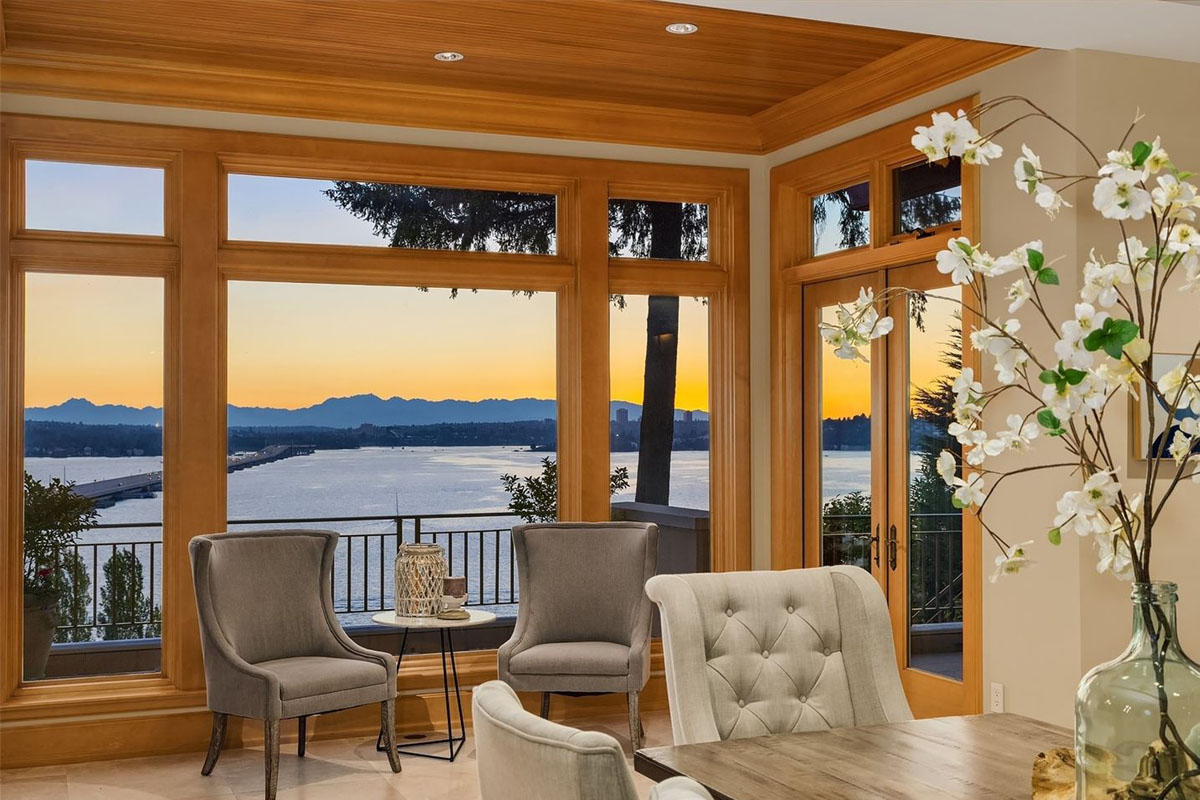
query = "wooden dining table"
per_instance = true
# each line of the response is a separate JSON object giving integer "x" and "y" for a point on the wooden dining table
{"x": 985, "y": 757}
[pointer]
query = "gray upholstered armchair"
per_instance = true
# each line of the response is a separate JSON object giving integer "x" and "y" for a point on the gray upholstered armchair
{"x": 273, "y": 647}
{"x": 521, "y": 756}
{"x": 583, "y": 624}
{"x": 757, "y": 653}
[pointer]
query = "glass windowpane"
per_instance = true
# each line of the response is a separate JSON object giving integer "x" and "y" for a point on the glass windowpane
{"x": 93, "y": 198}
{"x": 841, "y": 220}
{"x": 927, "y": 195}
{"x": 651, "y": 229}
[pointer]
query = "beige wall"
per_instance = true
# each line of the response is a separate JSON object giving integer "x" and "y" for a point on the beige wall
{"x": 1044, "y": 628}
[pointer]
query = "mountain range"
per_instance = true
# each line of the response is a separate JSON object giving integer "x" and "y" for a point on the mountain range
{"x": 335, "y": 412}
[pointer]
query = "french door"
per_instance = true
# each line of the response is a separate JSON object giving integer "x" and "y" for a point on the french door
{"x": 872, "y": 431}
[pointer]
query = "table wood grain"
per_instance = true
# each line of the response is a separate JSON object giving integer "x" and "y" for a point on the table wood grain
{"x": 986, "y": 757}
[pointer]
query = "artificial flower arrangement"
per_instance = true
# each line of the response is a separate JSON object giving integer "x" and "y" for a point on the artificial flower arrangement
{"x": 1106, "y": 348}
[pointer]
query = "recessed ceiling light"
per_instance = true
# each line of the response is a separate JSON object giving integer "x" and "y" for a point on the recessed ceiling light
{"x": 682, "y": 28}
{"x": 449, "y": 55}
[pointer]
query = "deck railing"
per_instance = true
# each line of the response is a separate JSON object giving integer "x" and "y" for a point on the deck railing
{"x": 934, "y": 559}
{"x": 122, "y": 598}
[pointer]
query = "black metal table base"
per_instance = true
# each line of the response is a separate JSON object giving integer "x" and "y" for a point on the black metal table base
{"x": 455, "y": 742}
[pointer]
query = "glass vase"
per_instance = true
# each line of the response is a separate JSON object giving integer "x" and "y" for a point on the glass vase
{"x": 1137, "y": 718}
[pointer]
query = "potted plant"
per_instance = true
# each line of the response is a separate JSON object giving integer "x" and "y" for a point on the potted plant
{"x": 1137, "y": 717}
{"x": 53, "y": 573}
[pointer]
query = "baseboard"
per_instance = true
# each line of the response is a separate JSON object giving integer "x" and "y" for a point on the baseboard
{"x": 420, "y": 708}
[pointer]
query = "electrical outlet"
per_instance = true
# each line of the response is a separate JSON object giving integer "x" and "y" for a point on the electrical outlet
{"x": 997, "y": 698}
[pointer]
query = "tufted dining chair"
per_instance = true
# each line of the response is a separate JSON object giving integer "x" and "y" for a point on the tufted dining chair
{"x": 583, "y": 623}
{"x": 520, "y": 755}
{"x": 757, "y": 653}
{"x": 273, "y": 647}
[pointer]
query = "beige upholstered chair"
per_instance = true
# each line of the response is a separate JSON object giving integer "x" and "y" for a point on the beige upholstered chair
{"x": 756, "y": 653}
{"x": 583, "y": 624}
{"x": 520, "y": 755}
{"x": 273, "y": 647}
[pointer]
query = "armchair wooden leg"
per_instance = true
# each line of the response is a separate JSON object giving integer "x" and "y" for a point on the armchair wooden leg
{"x": 388, "y": 727}
{"x": 545, "y": 705}
{"x": 215, "y": 743}
{"x": 303, "y": 724}
{"x": 271, "y": 756}
{"x": 635, "y": 722}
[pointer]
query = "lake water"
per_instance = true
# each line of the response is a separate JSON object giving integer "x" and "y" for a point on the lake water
{"x": 392, "y": 481}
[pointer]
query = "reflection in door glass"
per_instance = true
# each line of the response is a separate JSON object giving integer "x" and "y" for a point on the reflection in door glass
{"x": 935, "y": 580}
{"x": 845, "y": 457}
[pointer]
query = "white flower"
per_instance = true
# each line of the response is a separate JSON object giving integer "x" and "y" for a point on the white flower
{"x": 953, "y": 135}
{"x": 1004, "y": 347}
{"x": 979, "y": 152}
{"x": 1018, "y": 293}
{"x": 1102, "y": 281}
{"x": 1183, "y": 238}
{"x": 1070, "y": 348}
{"x": 1099, "y": 492}
{"x": 1181, "y": 447}
{"x": 1175, "y": 198}
{"x": 1012, "y": 561}
{"x": 1018, "y": 436}
{"x": 1050, "y": 200}
{"x": 1137, "y": 350}
{"x": 1158, "y": 158}
{"x": 947, "y": 467}
{"x": 1027, "y": 170}
{"x": 1174, "y": 383}
{"x": 1114, "y": 555}
{"x": 957, "y": 260}
{"x": 970, "y": 492}
{"x": 1119, "y": 195}
{"x": 857, "y": 325}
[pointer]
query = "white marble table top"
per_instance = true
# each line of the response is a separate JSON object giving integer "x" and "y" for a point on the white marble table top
{"x": 392, "y": 619}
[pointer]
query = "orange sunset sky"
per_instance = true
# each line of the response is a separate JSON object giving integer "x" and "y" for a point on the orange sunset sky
{"x": 293, "y": 345}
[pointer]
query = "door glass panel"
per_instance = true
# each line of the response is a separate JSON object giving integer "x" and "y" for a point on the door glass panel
{"x": 927, "y": 195}
{"x": 935, "y": 580}
{"x": 845, "y": 470}
{"x": 841, "y": 220}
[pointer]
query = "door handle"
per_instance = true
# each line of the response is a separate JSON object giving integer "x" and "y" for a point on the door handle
{"x": 875, "y": 543}
{"x": 893, "y": 544}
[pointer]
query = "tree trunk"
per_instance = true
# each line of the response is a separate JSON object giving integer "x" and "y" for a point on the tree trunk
{"x": 657, "y": 427}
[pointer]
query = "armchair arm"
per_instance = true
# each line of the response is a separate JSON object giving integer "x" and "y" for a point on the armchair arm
{"x": 348, "y": 648}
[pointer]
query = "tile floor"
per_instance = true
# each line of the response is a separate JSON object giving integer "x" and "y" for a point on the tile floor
{"x": 336, "y": 769}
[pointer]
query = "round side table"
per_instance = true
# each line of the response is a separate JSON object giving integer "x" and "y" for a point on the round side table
{"x": 445, "y": 629}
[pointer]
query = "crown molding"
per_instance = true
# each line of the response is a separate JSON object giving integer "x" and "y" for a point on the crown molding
{"x": 910, "y": 71}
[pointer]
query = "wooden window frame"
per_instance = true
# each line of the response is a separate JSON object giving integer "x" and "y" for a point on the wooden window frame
{"x": 792, "y": 267}
{"x": 142, "y": 714}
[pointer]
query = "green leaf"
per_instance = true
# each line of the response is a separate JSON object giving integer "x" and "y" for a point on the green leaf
{"x": 958, "y": 503}
{"x": 1055, "y": 536}
{"x": 1141, "y": 151}
{"x": 1183, "y": 176}
{"x": 1036, "y": 259}
{"x": 966, "y": 248}
{"x": 1123, "y": 329}
{"x": 1047, "y": 420}
{"x": 1074, "y": 376}
{"x": 1047, "y": 276}
{"x": 1048, "y": 376}
{"x": 1030, "y": 171}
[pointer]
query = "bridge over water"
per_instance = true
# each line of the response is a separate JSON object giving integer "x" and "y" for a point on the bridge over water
{"x": 107, "y": 492}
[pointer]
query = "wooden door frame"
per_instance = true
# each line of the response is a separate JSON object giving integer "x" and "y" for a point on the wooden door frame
{"x": 792, "y": 187}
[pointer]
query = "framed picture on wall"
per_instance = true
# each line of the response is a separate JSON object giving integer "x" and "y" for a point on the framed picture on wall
{"x": 1163, "y": 363}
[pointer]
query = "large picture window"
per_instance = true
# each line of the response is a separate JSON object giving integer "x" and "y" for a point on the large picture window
{"x": 93, "y": 478}
{"x": 392, "y": 414}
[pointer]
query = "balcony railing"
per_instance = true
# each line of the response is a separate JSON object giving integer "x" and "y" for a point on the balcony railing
{"x": 934, "y": 559}
{"x": 123, "y": 597}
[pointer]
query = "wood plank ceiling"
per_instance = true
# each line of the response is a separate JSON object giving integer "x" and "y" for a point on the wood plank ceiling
{"x": 592, "y": 69}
